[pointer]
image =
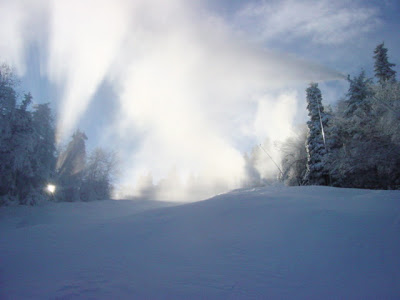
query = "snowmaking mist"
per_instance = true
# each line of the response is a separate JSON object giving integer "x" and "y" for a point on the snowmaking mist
{"x": 188, "y": 94}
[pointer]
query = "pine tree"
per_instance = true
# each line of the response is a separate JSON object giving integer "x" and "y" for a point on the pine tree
{"x": 359, "y": 90}
{"x": 17, "y": 145}
{"x": 316, "y": 145}
{"x": 23, "y": 150}
{"x": 26, "y": 145}
{"x": 44, "y": 159}
{"x": 383, "y": 68}
{"x": 71, "y": 165}
{"x": 7, "y": 116}
{"x": 367, "y": 125}
{"x": 17, "y": 151}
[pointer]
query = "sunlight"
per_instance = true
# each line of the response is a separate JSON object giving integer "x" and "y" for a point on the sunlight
{"x": 51, "y": 188}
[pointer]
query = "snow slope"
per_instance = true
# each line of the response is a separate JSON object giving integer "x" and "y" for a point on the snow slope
{"x": 272, "y": 243}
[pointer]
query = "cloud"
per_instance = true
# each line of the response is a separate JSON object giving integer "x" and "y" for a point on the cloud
{"x": 322, "y": 22}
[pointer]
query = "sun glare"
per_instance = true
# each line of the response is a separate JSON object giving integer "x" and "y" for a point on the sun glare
{"x": 51, "y": 188}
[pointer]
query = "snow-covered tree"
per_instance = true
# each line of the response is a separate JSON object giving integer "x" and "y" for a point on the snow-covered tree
{"x": 294, "y": 158}
{"x": 358, "y": 144}
{"x": 17, "y": 145}
{"x": 98, "y": 177}
{"x": 8, "y": 102}
{"x": 383, "y": 68}
{"x": 70, "y": 168}
{"x": 386, "y": 108}
{"x": 386, "y": 105}
{"x": 23, "y": 143}
{"x": 27, "y": 154}
{"x": 349, "y": 125}
{"x": 262, "y": 164}
{"x": 81, "y": 178}
{"x": 359, "y": 91}
{"x": 7, "y": 115}
{"x": 17, "y": 150}
{"x": 316, "y": 144}
{"x": 369, "y": 156}
{"x": 44, "y": 159}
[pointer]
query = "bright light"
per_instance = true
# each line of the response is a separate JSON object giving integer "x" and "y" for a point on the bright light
{"x": 51, "y": 188}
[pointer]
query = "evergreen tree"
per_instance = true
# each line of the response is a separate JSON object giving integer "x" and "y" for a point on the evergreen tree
{"x": 16, "y": 142}
{"x": 359, "y": 146}
{"x": 383, "y": 68}
{"x": 386, "y": 105}
{"x": 359, "y": 90}
{"x": 7, "y": 116}
{"x": 369, "y": 156}
{"x": 22, "y": 143}
{"x": 44, "y": 159}
{"x": 23, "y": 164}
{"x": 333, "y": 143}
{"x": 71, "y": 165}
{"x": 17, "y": 151}
{"x": 316, "y": 144}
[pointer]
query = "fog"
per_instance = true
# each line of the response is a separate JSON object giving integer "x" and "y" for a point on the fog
{"x": 191, "y": 93}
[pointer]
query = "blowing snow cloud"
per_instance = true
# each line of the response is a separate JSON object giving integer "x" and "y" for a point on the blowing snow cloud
{"x": 188, "y": 88}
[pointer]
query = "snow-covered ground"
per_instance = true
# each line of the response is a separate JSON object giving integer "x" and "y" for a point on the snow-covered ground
{"x": 270, "y": 243}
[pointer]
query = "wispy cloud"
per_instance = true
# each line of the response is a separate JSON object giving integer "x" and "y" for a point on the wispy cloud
{"x": 320, "y": 21}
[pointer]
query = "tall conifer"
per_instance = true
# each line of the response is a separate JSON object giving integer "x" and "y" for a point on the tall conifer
{"x": 316, "y": 143}
{"x": 383, "y": 68}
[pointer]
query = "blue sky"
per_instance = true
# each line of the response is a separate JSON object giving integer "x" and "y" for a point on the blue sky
{"x": 188, "y": 87}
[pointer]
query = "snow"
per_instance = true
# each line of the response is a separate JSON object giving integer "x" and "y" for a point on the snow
{"x": 273, "y": 242}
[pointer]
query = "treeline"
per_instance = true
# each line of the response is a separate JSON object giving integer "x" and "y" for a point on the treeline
{"x": 355, "y": 144}
{"x": 32, "y": 169}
